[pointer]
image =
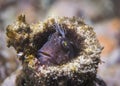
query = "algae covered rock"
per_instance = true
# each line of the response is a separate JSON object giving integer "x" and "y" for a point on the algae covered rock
{"x": 60, "y": 51}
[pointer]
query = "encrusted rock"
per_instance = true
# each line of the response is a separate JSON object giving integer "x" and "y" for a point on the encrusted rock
{"x": 81, "y": 70}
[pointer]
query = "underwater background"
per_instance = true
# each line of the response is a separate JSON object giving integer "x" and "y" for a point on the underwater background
{"x": 102, "y": 15}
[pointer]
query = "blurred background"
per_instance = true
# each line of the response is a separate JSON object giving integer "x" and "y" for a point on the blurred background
{"x": 103, "y": 15}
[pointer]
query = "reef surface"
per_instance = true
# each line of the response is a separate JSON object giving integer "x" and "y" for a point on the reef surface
{"x": 59, "y": 51}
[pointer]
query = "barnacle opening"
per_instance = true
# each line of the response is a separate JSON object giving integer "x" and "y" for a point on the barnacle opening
{"x": 41, "y": 38}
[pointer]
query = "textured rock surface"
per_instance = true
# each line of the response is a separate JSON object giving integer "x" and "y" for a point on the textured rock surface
{"x": 28, "y": 39}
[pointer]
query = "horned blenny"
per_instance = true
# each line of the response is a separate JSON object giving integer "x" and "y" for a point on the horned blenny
{"x": 59, "y": 51}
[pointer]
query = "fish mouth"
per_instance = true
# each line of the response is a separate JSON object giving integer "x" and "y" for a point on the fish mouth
{"x": 45, "y": 53}
{"x": 45, "y": 58}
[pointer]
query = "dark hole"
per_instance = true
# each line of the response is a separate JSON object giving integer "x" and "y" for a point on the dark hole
{"x": 41, "y": 38}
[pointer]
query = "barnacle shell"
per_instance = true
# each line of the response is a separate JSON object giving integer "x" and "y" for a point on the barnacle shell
{"x": 80, "y": 71}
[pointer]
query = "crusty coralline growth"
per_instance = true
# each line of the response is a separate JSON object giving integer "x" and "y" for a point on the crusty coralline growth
{"x": 78, "y": 71}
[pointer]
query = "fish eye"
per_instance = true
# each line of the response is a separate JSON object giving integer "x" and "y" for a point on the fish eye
{"x": 68, "y": 47}
{"x": 65, "y": 45}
